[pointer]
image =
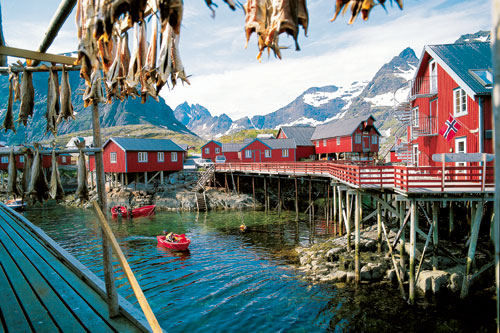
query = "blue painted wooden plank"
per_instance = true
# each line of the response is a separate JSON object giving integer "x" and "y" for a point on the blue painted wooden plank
{"x": 120, "y": 324}
{"x": 10, "y": 308}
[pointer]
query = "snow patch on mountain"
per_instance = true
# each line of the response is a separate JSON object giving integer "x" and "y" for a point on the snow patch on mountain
{"x": 386, "y": 99}
{"x": 347, "y": 93}
{"x": 408, "y": 74}
{"x": 301, "y": 121}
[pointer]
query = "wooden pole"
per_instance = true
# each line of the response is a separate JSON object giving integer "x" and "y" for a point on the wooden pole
{"x": 253, "y": 191}
{"x": 279, "y": 196}
{"x": 379, "y": 228}
{"x": 357, "y": 264}
{"x": 496, "y": 139}
{"x": 327, "y": 208}
{"x": 161, "y": 178}
{"x": 435, "y": 211}
{"x": 478, "y": 216}
{"x": 310, "y": 200}
{"x": 402, "y": 211}
{"x": 102, "y": 199}
{"x": 143, "y": 302}
{"x": 335, "y": 203}
{"x": 265, "y": 194}
{"x": 348, "y": 220}
{"x": 340, "y": 211}
{"x": 296, "y": 201}
{"x": 452, "y": 218}
{"x": 225, "y": 183}
{"x": 413, "y": 239}
{"x": 238, "y": 184}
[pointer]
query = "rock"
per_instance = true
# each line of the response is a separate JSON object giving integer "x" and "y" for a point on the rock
{"x": 350, "y": 276}
{"x": 339, "y": 276}
{"x": 455, "y": 282}
{"x": 432, "y": 281}
{"x": 366, "y": 273}
{"x": 332, "y": 254}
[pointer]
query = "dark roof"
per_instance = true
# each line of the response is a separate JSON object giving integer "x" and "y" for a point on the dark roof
{"x": 184, "y": 146}
{"x": 136, "y": 144}
{"x": 463, "y": 57}
{"x": 279, "y": 143}
{"x": 232, "y": 147}
{"x": 337, "y": 128}
{"x": 301, "y": 134}
{"x": 216, "y": 142}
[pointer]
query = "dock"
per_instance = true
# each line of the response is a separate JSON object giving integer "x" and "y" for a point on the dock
{"x": 44, "y": 288}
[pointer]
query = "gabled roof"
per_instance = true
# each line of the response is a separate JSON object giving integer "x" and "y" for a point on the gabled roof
{"x": 337, "y": 128}
{"x": 274, "y": 143}
{"x": 136, "y": 144}
{"x": 232, "y": 147}
{"x": 216, "y": 142}
{"x": 459, "y": 59}
{"x": 301, "y": 134}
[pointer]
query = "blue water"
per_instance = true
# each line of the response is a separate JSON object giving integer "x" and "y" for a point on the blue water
{"x": 233, "y": 281}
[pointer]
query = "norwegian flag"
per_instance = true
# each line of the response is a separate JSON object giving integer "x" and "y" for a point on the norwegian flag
{"x": 450, "y": 128}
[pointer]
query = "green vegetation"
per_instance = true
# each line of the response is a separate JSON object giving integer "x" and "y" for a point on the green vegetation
{"x": 245, "y": 134}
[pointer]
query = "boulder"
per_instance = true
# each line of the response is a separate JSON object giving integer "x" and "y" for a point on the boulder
{"x": 432, "y": 281}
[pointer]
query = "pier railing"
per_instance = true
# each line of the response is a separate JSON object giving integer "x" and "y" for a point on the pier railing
{"x": 402, "y": 178}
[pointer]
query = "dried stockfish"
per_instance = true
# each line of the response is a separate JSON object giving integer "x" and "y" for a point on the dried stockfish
{"x": 8, "y": 122}
{"x": 56, "y": 190}
{"x": 38, "y": 187}
{"x": 53, "y": 106}
{"x": 27, "y": 97}
{"x": 66, "y": 106}
{"x": 25, "y": 180}
{"x": 12, "y": 187}
{"x": 82, "y": 191}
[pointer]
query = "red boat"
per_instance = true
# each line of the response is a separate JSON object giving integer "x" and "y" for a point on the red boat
{"x": 181, "y": 243}
{"x": 136, "y": 212}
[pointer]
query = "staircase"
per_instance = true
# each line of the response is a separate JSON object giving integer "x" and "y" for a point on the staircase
{"x": 201, "y": 201}
{"x": 403, "y": 152}
{"x": 204, "y": 177}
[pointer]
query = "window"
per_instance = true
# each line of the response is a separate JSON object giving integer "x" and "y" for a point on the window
{"x": 317, "y": 143}
{"x": 248, "y": 154}
{"x": 415, "y": 155}
{"x": 207, "y": 150}
{"x": 484, "y": 76}
{"x": 459, "y": 102}
{"x": 174, "y": 156}
{"x": 143, "y": 156}
{"x": 415, "y": 117}
{"x": 433, "y": 76}
{"x": 161, "y": 156}
{"x": 5, "y": 159}
{"x": 461, "y": 147}
{"x": 338, "y": 141}
{"x": 112, "y": 157}
{"x": 217, "y": 150}
{"x": 268, "y": 153}
{"x": 284, "y": 152}
{"x": 374, "y": 139}
{"x": 324, "y": 142}
{"x": 357, "y": 138}
{"x": 21, "y": 159}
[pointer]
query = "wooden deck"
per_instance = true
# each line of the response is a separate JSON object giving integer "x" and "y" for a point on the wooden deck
{"x": 44, "y": 288}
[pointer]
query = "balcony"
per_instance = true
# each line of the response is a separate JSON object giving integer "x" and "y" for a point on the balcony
{"x": 424, "y": 126}
{"x": 423, "y": 86}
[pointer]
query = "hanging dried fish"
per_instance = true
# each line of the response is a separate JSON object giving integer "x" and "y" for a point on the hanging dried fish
{"x": 171, "y": 13}
{"x": 12, "y": 187}
{"x": 56, "y": 190}
{"x": 150, "y": 75}
{"x": 177, "y": 67}
{"x": 66, "y": 106}
{"x": 38, "y": 187}
{"x": 53, "y": 106}
{"x": 284, "y": 19}
{"x": 25, "y": 180}
{"x": 210, "y": 3}
{"x": 8, "y": 122}
{"x": 138, "y": 55}
{"x": 16, "y": 79}
{"x": 82, "y": 191}
{"x": 27, "y": 97}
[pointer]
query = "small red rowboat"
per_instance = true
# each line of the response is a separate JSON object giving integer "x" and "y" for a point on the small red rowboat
{"x": 181, "y": 244}
{"x": 136, "y": 212}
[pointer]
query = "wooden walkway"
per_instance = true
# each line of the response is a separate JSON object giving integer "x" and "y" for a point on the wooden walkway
{"x": 44, "y": 289}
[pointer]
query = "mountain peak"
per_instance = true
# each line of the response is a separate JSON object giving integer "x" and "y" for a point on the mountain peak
{"x": 480, "y": 36}
{"x": 408, "y": 54}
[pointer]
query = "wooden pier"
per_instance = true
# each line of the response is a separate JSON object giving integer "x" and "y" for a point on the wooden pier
{"x": 44, "y": 288}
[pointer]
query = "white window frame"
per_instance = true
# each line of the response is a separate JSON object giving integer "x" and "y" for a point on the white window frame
{"x": 217, "y": 150}
{"x": 433, "y": 76}
{"x": 173, "y": 156}
{"x": 317, "y": 143}
{"x": 357, "y": 138}
{"x": 324, "y": 142}
{"x": 284, "y": 152}
{"x": 267, "y": 153}
{"x": 5, "y": 159}
{"x": 459, "y": 94}
{"x": 161, "y": 156}
{"x": 374, "y": 139}
{"x": 415, "y": 117}
{"x": 338, "y": 141}
{"x": 207, "y": 150}
{"x": 457, "y": 143}
{"x": 415, "y": 153}
{"x": 248, "y": 153}
{"x": 21, "y": 159}
{"x": 142, "y": 157}
{"x": 112, "y": 157}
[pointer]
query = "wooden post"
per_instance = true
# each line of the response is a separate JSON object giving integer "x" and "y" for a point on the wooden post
{"x": 335, "y": 203}
{"x": 161, "y": 178}
{"x": 402, "y": 211}
{"x": 310, "y": 200}
{"x": 145, "y": 179}
{"x": 340, "y": 210}
{"x": 413, "y": 239}
{"x": 435, "y": 208}
{"x": 109, "y": 278}
{"x": 478, "y": 216}
{"x": 379, "y": 227}
{"x": 357, "y": 264}
{"x": 122, "y": 180}
{"x": 296, "y": 201}
{"x": 265, "y": 194}
{"x": 327, "y": 204}
{"x": 349, "y": 220}
{"x": 496, "y": 143}
{"x": 452, "y": 217}
{"x": 126, "y": 178}
{"x": 225, "y": 183}
{"x": 238, "y": 184}
{"x": 253, "y": 191}
{"x": 279, "y": 196}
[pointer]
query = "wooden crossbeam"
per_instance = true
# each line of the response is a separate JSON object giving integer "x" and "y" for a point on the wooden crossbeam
{"x": 34, "y": 55}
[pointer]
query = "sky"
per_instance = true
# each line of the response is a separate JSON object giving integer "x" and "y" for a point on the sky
{"x": 227, "y": 78}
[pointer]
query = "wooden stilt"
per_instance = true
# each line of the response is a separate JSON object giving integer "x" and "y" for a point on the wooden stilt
{"x": 478, "y": 216}
{"x": 253, "y": 191}
{"x": 402, "y": 211}
{"x": 161, "y": 178}
{"x": 122, "y": 179}
{"x": 226, "y": 186}
{"x": 238, "y": 184}
{"x": 335, "y": 203}
{"x": 310, "y": 200}
{"x": 340, "y": 211}
{"x": 145, "y": 179}
{"x": 413, "y": 239}
{"x": 109, "y": 278}
{"x": 452, "y": 218}
{"x": 265, "y": 194}
{"x": 379, "y": 228}
{"x": 348, "y": 220}
{"x": 268, "y": 196}
{"x": 357, "y": 264}
{"x": 126, "y": 179}
{"x": 435, "y": 211}
{"x": 279, "y": 196}
{"x": 296, "y": 201}
{"x": 327, "y": 208}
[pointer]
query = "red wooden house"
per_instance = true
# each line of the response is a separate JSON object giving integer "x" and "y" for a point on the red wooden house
{"x": 232, "y": 151}
{"x": 211, "y": 149}
{"x": 302, "y": 136}
{"x": 451, "y": 80}
{"x": 136, "y": 159}
{"x": 62, "y": 159}
{"x": 348, "y": 139}
{"x": 269, "y": 150}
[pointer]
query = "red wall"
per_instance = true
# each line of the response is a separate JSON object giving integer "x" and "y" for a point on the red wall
{"x": 258, "y": 154}
{"x": 211, "y": 155}
{"x": 46, "y": 161}
{"x": 120, "y": 165}
{"x": 394, "y": 158}
{"x": 232, "y": 156}
{"x": 332, "y": 147}
{"x": 305, "y": 152}
{"x": 133, "y": 164}
{"x": 429, "y": 145}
